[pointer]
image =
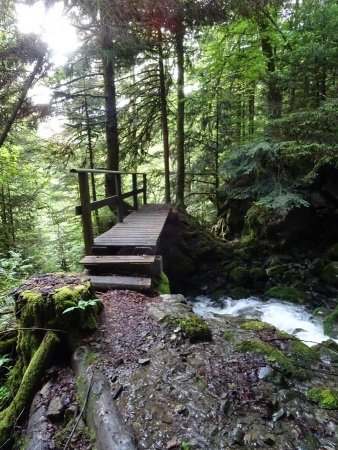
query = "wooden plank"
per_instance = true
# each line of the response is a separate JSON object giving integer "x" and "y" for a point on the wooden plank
{"x": 141, "y": 228}
{"x": 107, "y": 282}
{"x": 110, "y": 259}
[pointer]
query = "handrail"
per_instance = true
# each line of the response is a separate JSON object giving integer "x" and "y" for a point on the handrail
{"x": 114, "y": 172}
{"x": 87, "y": 206}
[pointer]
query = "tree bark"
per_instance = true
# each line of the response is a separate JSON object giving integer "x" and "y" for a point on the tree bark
{"x": 180, "y": 177}
{"x": 164, "y": 120}
{"x": 274, "y": 95}
{"x": 10, "y": 121}
{"x": 112, "y": 138}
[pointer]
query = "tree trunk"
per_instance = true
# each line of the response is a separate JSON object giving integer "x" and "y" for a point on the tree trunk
{"x": 164, "y": 120}
{"x": 180, "y": 178}
{"x": 112, "y": 138}
{"x": 9, "y": 123}
{"x": 274, "y": 96}
{"x": 251, "y": 108}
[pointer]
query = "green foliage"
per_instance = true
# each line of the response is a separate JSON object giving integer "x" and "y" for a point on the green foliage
{"x": 13, "y": 269}
{"x": 82, "y": 305}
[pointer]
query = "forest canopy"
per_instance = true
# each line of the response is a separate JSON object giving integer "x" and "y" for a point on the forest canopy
{"x": 228, "y": 106}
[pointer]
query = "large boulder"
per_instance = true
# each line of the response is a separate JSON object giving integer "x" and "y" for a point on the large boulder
{"x": 330, "y": 274}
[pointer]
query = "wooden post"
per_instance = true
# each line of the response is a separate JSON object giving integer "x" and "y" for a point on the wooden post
{"x": 144, "y": 188}
{"x": 119, "y": 205}
{"x": 86, "y": 213}
{"x": 135, "y": 199}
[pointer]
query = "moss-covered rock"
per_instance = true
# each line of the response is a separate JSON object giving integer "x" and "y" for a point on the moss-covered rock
{"x": 239, "y": 275}
{"x": 257, "y": 274}
{"x": 289, "y": 293}
{"x": 162, "y": 285}
{"x": 193, "y": 326}
{"x": 277, "y": 270}
{"x": 325, "y": 397}
{"x": 296, "y": 363}
{"x": 256, "y": 325}
{"x": 332, "y": 252}
{"x": 239, "y": 292}
{"x": 329, "y": 274}
{"x": 330, "y": 324}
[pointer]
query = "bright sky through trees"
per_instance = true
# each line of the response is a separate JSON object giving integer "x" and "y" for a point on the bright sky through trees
{"x": 53, "y": 27}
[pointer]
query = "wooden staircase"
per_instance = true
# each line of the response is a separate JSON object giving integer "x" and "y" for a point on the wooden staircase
{"x": 135, "y": 272}
{"x": 124, "y": 257}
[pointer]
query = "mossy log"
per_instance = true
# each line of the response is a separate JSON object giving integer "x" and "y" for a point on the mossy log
{"x": 102, "y": 413}
{"x": 45, "y": 320}
{"x": 28, "y": 385}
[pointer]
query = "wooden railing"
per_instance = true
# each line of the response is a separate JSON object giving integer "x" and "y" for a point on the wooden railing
{"x": 87, "y": 206}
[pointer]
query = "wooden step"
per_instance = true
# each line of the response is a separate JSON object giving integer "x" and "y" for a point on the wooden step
{"x": 110, "y": 282}
{"x": 149, "y": 265}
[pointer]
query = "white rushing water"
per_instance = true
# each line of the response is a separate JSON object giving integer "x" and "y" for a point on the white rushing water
{"x": 294, "y": 319}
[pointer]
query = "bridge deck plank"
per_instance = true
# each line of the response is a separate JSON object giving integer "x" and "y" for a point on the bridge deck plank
{"x": 142, "y": 228}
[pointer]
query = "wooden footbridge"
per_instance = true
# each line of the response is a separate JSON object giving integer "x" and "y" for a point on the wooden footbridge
{"x": 126, "y": 256}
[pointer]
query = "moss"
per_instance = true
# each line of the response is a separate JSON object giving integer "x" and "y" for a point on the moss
{"x": 329, "y": 273}
{"x": 258, "y": 274}
{"x": 276, "y": 270}
{"x": 239, "y": 275}
{"x": 162, "y": 285}
{"x": 90, "y": 359}
{"x": 287, "y": 365}
{"x": 239, "y": 292}
{"x": 194, "y": 327}
{"x": 229, "y": 335}
{"x": 256, "y": 325}
{"x": 287, "y": 293}
{"x": 30, "y": 381}
{"x": 332, "y": 252}
{"x": 326, "y": 398}
{"x": 330, "y": 324}
{"x": 7, "y": 346}
{"x": 299, "y": 351}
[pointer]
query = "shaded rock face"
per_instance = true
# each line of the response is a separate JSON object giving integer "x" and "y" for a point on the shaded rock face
{"x": 210, "y": 395}
{"x": 188, "y": 251}
{"x": 318, "y": 222}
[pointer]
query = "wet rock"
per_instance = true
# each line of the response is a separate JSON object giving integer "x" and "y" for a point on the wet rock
{"x": 144, "y": 361}
{"x": 236, "y": 436}
{"x": 280, "y": 414}
{"x": 55, "y": 409}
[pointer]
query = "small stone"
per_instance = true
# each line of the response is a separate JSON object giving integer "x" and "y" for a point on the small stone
{"x": 174, "y": 443}
{"x": 167, "y": 419}
{"x": 55, "y": 409}
{"x": 225, "y": 406}
{"x": 144, "y": 361}
{"x": 269, "y": 440}
{"x": 278, "y": 415}
{"x": 118, "y": 362}
{"x": 181, "y": 409}
{"x": 193, "y": 443}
